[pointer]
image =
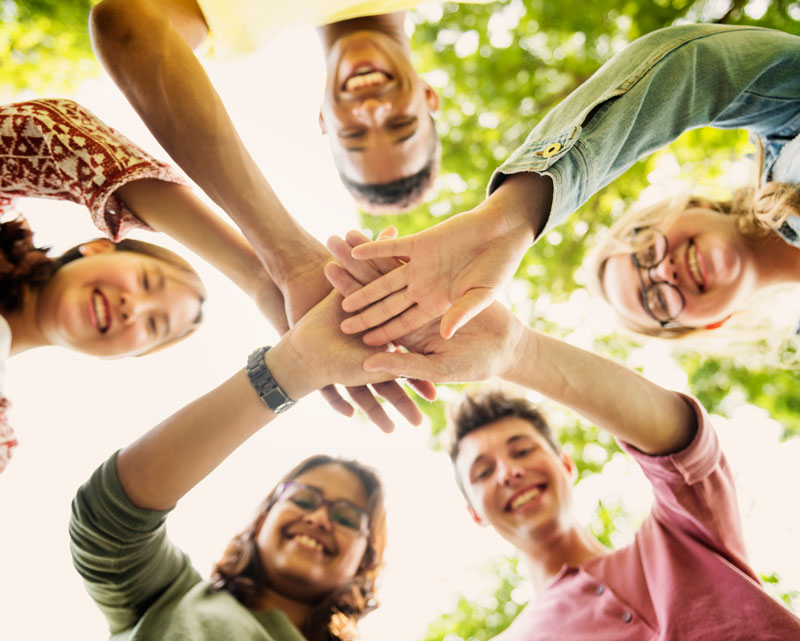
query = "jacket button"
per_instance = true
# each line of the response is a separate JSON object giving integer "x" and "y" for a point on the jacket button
{"x": 552, "y": 149}
{"x": 627, "y": 617}
{"x": 600, "y": 589}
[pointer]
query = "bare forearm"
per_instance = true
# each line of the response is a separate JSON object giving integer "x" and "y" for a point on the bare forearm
{"x": 152, "y": 63}
{"x": 524, "y": 200}
{"x": 176, "y": 211}
{"x": 163, "y": 465}
{"x": 655, "y": 420}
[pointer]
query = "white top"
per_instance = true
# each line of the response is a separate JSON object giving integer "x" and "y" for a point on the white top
{"x": 8, "y": 440}
{"x": 5, "y": 349}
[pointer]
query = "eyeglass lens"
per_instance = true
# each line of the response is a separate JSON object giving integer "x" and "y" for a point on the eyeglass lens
{"x": 309, "y": 499}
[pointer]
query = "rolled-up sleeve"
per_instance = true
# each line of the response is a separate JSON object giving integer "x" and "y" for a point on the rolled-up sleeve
{"x": 695, "y": 492}
{"x": 660, "y": 86}
{"x": 122, "y": 552}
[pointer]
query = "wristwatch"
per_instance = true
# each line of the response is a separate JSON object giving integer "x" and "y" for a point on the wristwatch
{"x": 265, "y": 385}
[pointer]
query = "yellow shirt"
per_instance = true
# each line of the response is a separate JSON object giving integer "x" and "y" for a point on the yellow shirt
{"x": 239, "y": 27}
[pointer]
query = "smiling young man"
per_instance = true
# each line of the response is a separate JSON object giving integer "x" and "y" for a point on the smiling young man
{"x": 685, "y": 576}
{"x": 376, "y": 109}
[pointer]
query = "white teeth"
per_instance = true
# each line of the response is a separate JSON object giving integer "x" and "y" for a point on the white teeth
{"x": 100, "y": 311}
{"x": 522, "y": 499}
{"x": 694, "y": 267}
{"x": 371, "y": 79}
{"x": 308, "y": 542}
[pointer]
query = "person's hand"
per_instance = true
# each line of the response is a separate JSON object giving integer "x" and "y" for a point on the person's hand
{"x": 304, "y": 280}
{"x": 453, "y": 269}
{"x": 322, "y": 355}
{"x": 484, "y": 347}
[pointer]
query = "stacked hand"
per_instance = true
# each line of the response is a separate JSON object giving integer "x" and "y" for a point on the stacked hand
{"x": 452, "y": 270}
{"x": 484, "y": 347}
{"x": 306, "y": 293}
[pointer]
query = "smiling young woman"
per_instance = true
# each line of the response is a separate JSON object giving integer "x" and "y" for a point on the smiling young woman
{"x": 107, "y": 297}
{"x": 682, "y": 267}
{"x": 305, "y": 567}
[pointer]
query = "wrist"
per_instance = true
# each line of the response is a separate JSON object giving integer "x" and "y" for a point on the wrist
{"x": 522, "y": 350}
{"x": 290, "y": 370}
{"x": 524, "y": 199}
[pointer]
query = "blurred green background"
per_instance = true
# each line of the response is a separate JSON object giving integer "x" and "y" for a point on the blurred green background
{"x": 499, "y": 68}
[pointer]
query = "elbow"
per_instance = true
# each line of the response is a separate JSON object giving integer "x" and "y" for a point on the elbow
{"x": 116, "y": 24}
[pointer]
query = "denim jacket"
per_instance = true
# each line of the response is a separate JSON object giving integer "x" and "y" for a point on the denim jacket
{"x": 661, "y": 85}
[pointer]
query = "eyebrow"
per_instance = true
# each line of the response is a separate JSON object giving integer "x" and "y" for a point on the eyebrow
{"x": 161, "y": 277}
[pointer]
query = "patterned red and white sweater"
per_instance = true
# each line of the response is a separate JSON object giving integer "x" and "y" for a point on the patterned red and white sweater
{"x": 54, "y": 148}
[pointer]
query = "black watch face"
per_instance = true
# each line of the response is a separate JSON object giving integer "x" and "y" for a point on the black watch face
{"x": 275, "y": 399}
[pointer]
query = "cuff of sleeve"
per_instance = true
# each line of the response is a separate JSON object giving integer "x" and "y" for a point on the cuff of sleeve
{"x": 562, "y": 160}
{"x": 108, "y": 213}
{"x": 115, "y": 502}
{"x": 691, "y": 464}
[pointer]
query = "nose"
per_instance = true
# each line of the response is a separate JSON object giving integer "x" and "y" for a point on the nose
{"x": 509, "y": 473}
{"x": 319, "y": 518}
{"x": 372, "y": 111}
{"x": 131, "y": 306}
{"x": 665, "y": 271}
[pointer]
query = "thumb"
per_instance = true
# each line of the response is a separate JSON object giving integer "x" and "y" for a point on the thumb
{"x": 465, "y": 309}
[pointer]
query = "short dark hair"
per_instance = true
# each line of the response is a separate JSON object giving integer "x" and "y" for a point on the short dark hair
{"x": 401, "y": 194}
{"x": 476, "y": 410}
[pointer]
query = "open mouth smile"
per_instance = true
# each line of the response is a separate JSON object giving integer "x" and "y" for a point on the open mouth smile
{"x": 525, "y": 498}
{"x": 365, "y": 76}
{"x": 694, "y": 263}
{"x": 99, "y": 311}
{"x": 311, "y": 543}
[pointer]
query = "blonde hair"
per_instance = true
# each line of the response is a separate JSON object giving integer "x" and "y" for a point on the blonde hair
{"x": 760, "y": 213}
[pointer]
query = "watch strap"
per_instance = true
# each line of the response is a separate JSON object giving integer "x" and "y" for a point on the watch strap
{"x": 265, "y": 384}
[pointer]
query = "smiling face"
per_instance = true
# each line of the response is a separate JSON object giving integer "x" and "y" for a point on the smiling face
{"x": 305, "y": 553}
{"x": 707, "y": 259}
{"x": 376, "y": 110}
{"x": 515, "y": 481}
{"x": 118, "y": 303}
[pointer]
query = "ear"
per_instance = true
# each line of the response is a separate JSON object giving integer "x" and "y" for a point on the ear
{"x": 568, "y": 464}
{"x": 475, "y": 516}
{"x": 719, "y": 323}
{"x": 431, "y": 97}
{"x": 322, "y": 128}
{"x": 97, "y": 246}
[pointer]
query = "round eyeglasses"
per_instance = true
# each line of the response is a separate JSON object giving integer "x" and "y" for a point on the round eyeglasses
{"x": 341, "y": 511}
{"x": 661, "y": 300}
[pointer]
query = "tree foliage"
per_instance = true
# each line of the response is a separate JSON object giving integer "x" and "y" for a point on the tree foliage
{"x": 44, "y": 45}
{"x": 499, "y": 68}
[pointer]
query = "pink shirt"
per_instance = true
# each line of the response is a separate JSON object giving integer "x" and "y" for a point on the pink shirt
{"x": 685, "y": 576}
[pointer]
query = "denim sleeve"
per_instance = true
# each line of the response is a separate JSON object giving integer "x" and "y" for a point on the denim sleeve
{"x": 660, "y": 86}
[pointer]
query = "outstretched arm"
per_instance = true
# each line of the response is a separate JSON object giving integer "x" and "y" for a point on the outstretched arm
{"x": 146, "y": 48}
{"x": 176, "y": 211}
{"x": 496, "y": 343}
{"x": 638, "y": 102}
{"x": 164, "y": 464}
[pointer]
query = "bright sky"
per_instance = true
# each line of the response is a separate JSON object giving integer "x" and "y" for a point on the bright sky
{"x": 71, "y": 412}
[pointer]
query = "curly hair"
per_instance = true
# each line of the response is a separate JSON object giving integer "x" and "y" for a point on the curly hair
{"x": 22, "y": 265}
{"x": 336, "y": 617}
{"x": 760, "y": 212}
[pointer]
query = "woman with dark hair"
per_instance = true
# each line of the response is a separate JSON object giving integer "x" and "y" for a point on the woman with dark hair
{"x": 304, "y": 568}
{"x": 122, "y": 299}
